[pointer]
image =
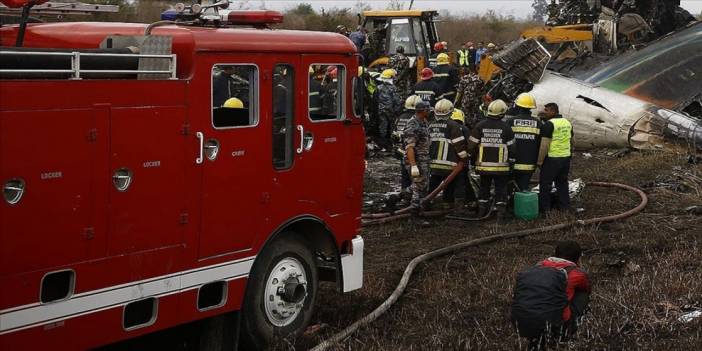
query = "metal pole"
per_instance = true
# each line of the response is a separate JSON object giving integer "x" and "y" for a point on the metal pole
{"x": 23, "y": 24}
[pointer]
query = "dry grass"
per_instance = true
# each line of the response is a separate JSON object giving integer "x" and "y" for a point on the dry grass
{"x": 645, "y": 269}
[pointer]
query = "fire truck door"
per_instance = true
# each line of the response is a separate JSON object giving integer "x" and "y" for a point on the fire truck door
{"x": 234, "y": 159}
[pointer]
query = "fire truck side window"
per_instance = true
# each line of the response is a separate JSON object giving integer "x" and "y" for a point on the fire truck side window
{"x": 283, "y": 114}
{"x": 233, "y": 91}
{"x": 326, "y": 92}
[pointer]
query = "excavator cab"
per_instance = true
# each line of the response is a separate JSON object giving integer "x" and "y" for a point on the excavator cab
{"x": 414, "y": 30}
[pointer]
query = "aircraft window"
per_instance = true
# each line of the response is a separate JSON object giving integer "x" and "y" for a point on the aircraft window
{"x": 326, "y": 92}
{"x": 234, "y": 95}
{"x": 283, "y": 105}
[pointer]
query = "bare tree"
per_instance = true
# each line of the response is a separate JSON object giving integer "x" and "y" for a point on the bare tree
{"x": 361, "y": 6}
{"x": 396, "y": 5}
{"x": 540, "y": 10}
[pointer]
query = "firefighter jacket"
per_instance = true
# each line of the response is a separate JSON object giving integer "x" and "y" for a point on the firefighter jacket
{"x": 416, "y": 135}
{"x": 527, "y": 137}
{"x": 315, "y": 103}
{"x": 329, "y": 97}
{"x": 389, "y": 100}
{"x": 432, "y": 60}
{"x": 446, "y": 76}
{"x": 448, "y": 145}
{"x": 428, "y": 90}
{"x": 495, "y": 143}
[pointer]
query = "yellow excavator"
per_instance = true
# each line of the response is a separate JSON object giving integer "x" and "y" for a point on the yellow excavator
{"x": 414, "y": 30}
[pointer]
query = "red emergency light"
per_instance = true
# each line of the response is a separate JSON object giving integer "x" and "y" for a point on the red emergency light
{"x": 20, "y": 3}
{"x": 254, "y": 17}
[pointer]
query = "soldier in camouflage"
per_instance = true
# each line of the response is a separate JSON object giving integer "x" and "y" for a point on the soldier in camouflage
{"x": 470, "y": 91}
{"x": 389, "y": 105}
{"x": 417, "y": 142}
{"x": 400, "y": 63}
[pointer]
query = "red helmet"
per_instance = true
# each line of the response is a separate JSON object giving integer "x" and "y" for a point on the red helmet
{"x": 427, "y": 73}
{"x": 438, "y": 46}
{"x": 332, "y": 71}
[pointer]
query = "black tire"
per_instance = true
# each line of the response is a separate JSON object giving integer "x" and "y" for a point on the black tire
{"x": 258, "y": 331}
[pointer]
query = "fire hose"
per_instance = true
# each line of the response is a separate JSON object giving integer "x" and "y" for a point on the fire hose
{"x": 385, "y": 306}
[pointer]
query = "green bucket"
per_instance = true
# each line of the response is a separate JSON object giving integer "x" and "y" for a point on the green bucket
{"x": 526, "y": 205}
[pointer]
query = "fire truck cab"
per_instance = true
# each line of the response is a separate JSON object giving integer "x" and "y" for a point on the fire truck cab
{"x": 158, "y": 175}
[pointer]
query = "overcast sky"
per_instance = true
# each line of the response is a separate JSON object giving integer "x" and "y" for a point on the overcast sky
{"x": 517, "y": 8}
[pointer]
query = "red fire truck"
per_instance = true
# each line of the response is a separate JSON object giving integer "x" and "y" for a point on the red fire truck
{"x": 157, "y": 175}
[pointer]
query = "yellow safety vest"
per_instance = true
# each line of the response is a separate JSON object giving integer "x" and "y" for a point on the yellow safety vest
{"x": 463, "y": 58}
{"x": 560, "y": 140}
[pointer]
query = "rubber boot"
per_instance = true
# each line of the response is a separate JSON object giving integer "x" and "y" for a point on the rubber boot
{"x": 501, "y": 211}
{"x": 483, "y": 208}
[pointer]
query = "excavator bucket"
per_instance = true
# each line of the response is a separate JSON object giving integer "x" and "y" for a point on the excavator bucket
{"x": 526, "y": 59}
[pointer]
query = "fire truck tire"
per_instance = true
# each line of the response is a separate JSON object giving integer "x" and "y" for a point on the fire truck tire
{"x": 280, "y": 294}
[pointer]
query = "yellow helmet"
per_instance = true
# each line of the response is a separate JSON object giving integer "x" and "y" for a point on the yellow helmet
{"x": 443, "y": 108}
{"x": 411, "y": 101}
{"x": 388, "y": 74}
{"x": 442, "y": 59}
{"x": 458, "y": 115}
{"x": 497, "y": 108}
{"x": 525, "y": 100}
{"x": 233, "y": 103}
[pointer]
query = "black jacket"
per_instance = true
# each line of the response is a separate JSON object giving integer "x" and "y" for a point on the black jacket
{"x": 448, "y": 145}
{"x": 495, "y": 143}
{"x": 428, "y": 90}
{"x": 527, "y": 137}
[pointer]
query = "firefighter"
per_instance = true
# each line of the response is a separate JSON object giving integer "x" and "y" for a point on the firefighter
{"x": 426, "y": 88}
{"x": 417, "y": 141}
{"x": 400, "y": 125}
{"x": 527, "y": 137}
{"x": 446, "y": 76}
{"x": 400, "y": 63}
{"x": 448, "y": 150}
{"x": 438, "y": 49}
{"x": 463, "y": 61}
{"x": 554, "y": 158}
{"x": 389, "y": 105}
{"x": 494, "y": 141}
{"x": 468, "y": 98}
{"x": 315, "y": 98}
{"x": 330, "y": 88}
{"x": 468, "y": 192}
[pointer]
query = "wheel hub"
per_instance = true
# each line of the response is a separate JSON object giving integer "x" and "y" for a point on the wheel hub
{"x": 285, "y": 293}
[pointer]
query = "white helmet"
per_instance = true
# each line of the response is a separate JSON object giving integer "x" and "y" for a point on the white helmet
{"x": 443, "y": 108}
{"x": 411, "y": 101}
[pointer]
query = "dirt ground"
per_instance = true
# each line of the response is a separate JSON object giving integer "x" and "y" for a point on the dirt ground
{"x": 646, "y": 270}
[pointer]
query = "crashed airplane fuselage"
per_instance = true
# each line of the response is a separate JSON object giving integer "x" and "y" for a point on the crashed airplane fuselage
{"x": 640, "y": 100}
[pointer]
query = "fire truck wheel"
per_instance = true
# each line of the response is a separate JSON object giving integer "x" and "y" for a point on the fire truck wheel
{"x": 281, "y": 293}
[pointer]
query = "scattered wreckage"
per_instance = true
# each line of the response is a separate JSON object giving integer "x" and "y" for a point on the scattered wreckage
{"x": 641, "y": 98}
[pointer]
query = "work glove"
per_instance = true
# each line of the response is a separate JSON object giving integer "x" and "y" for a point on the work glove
{"x": 414, "y": 172}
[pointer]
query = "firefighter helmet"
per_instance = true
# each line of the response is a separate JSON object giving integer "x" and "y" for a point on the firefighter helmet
{"x": 233, "y": 103}
{"x": 438, "y": 46}
{"x": 332, "y": 71}
{"x": 427, "y": 73}
{"x": 497, "y": 109}
{"x": 525, "y": 100}
{"x": 442, "y": 59}
{"x": 412, "y": 101}
{"x": 458, "y": 115}
{"x": 491, "y": 46}
{"x": 443, "y": 108}
{"x": 388, "y": 74}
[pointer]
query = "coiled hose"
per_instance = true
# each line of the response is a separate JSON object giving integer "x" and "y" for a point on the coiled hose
{"x": 380, "y": 310}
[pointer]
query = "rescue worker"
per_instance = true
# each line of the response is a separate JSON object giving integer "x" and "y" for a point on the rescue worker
{"x": 315, "y": 98}
{"x": 527, "y": 137}
{"x": 400, "y": 125}
{"x": 376, "y": 43}
{"x": 341, "y": 29}
{"x": 479, "y": 53}
{"x": 468, "y": 98}
{"x": 330, "y": 88}
{"x": 491, "y": 48}
{"x": 446, "y": 76}
{"x": 400, "y": 63}
{"x": 389, "y": 105}
{"x": 547, "y": 305}
{"x": 494, "y": 141}
{"x": 463, "y": 61}
{"x": 417, "y": 141}
{"x": 438, "y": 49}
{"x": 358, "y": 38}
{"x": 466, "y": 192}
{"x": 448, "y": 150}
{"x": 426, "y": 88}
{"x": 554, "y": 158}
{"x": 471, "y": 56}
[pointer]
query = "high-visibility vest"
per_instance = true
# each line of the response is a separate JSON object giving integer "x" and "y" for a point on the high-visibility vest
{"x": 463, "y": 58}
{"x": 560, "y": 140}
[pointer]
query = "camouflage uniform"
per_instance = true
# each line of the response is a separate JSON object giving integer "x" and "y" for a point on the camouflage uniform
{"x": 400, "y": 63}
{"x": 389, "y": 104}
{"x": 470, "y": 91}
{"x": 416, "y": 134}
